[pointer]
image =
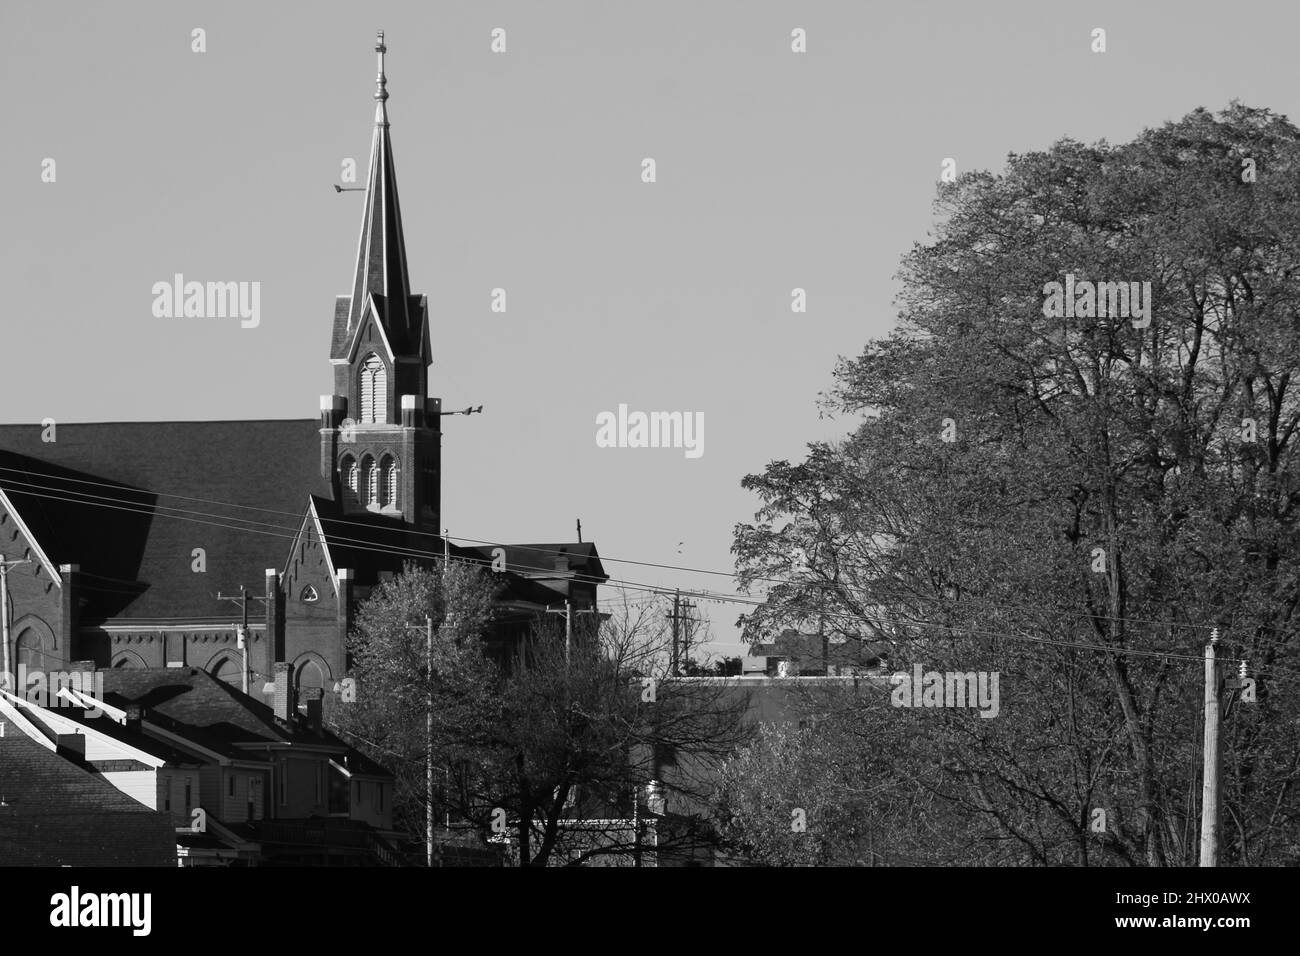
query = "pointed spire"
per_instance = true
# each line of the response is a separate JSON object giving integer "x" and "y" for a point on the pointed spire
{"x": 381, "y": 252}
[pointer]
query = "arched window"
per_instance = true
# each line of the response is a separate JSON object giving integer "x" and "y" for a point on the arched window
{"x": 31, "y": 650}
{"x": 374, "y": 390}
{"x": 388, "y": 481}
{"x": 309, "y": 677}
{"x": 228, "y": 671}
{"x": 369, "y": 481}
{"x": 348, "y": 468}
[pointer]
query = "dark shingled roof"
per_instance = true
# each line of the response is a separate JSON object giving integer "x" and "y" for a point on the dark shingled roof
{"x": 374, "y": 546}
{"x": 542, "y": 559}
{"x": 110, "y": 728}
{"x": 405, "y": 339}
{"x": 54, "y": 813}
{"x": 133, "y": 544}
{"x": 195, "y": 705}
{"x": 369, "y": 544}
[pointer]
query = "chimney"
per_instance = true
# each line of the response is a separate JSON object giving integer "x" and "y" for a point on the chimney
{"x": 344, "y": 616}
{"x": 273, "y": 634}
{"x": 134, "y": 715}
{"x": 282, "y": 702}
{"x": 315, "y": 707}
{"x": 562, "y": 561}
{"x": 70, "y": 605}
{"x": 72, "y": 746}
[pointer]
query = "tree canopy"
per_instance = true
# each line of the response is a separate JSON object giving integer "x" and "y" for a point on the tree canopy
{"x": 1073, "y": 498}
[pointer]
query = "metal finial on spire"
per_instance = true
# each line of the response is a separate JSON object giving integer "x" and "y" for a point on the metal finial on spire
{"x": 381, "y": 81}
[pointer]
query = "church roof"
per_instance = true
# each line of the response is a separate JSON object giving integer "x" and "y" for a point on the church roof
{"x": 374, "y": 547}
{"x": 131, "y": 501}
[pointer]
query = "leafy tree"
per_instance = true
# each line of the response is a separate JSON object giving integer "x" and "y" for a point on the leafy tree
{"x": 391, "y": 664}
{"x": 550, "y": 753}
{"x": 1074, "y": 501}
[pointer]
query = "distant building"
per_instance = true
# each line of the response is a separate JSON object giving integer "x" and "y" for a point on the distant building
{"x": 809, "y": 653}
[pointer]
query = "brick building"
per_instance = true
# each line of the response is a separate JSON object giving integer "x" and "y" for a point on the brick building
{"x": 118, "y": 537}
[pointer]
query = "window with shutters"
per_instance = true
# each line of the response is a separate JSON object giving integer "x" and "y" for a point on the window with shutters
{"x": 374, "y": 390}
{"x": 369, "y": 479}
{"x": 388, "y": 481}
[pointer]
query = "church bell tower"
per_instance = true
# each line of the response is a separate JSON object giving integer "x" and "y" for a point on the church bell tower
{"x": 380, "y": 433}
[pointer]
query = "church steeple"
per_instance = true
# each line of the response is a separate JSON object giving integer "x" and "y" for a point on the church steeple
{"x": 381, "y": 251}
{"x": 380, "y": 432}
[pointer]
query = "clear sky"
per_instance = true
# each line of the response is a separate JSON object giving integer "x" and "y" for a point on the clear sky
{"x": 522, "y": 171}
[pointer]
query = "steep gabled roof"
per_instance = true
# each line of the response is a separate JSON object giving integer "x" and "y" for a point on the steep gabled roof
{"x": 54, "y": 813}
{"x": 371, "y": 544}
{"x": 50, "y": 721}
{"x": 130, "y": 501}
{"x": 193, "y": 704}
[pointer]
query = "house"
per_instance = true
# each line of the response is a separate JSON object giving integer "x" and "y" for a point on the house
{"x": 240, "y": 782}
{"x": 56, "y": 810}
{"x": 822, "y": 652}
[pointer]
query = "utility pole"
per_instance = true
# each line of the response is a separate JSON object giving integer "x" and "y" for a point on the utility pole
{"x": 428, "y": 738}
{"x": 674, "y": 617}
{"x": 1211, "y": 755}
{"x": 636, "y": 825}
{"x": 579, "y": 531}
{"x": 568, "y": 613}
{"x": 677, "y": 617}
{"x": 5, "y": 565}
{"x": 242, "y": 601}
{"x": 428, "y": 701}
{"x": 428, "y": 734}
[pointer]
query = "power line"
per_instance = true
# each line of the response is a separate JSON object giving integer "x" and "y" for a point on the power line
{"x": 832, "y": 586}
{"x": 289, "y": 532}
{"x": 628, "y": 585}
